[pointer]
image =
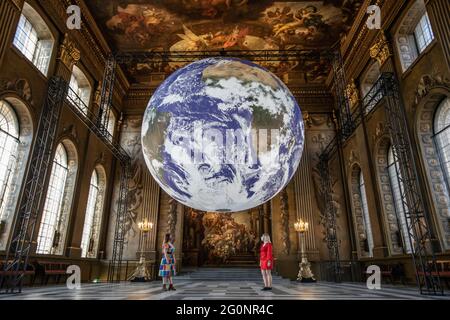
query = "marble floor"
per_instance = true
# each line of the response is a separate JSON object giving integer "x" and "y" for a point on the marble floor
{"x": 211, "y": 290}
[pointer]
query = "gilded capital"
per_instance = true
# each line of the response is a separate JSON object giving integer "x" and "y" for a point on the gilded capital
{"x": 68, "y": 53}
{"x": 380, "y": 50}
{"x": 352, "y": 93}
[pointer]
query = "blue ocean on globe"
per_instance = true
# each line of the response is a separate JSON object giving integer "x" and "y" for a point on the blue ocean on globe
{"x": 222, "y": 135}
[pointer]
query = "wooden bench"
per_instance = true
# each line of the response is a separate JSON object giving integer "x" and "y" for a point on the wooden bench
{"x": 30, "y": 272}
{"x": 443, "y": 267}
{"x": 47, "y": 269}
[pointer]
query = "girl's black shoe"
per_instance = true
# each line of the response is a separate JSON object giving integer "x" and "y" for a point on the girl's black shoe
{"x": 171, "y": 287}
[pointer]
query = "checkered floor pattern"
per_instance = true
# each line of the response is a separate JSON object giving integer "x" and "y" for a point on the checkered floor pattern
{"x": 207, "y": 290}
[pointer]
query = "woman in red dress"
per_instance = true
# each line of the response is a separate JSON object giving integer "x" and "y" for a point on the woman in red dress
{"x": 266, "y": 261}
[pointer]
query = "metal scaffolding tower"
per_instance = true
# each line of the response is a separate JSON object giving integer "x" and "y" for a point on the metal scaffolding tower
{"x": 417, "y": 218}
{"x": 341, "y": 102}
{"x": 34, "y": 191}
{"x": 345, "y": 128}
{"x": 331, "y": 212}
{"x": 98, "y": 124}
{"x": 115, "y": 262}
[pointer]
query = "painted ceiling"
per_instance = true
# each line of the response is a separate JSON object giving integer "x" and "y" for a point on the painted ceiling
{"x": 198, "y": 25}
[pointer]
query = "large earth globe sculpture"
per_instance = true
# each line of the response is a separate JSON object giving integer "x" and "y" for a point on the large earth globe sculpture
{"x": 222, "y": 135}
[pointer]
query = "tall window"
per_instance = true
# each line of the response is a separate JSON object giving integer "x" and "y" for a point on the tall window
{"x": 33, "y": 39}
{"x": 54, "y": 222}
{"x": 423, "y": 33}
{"x": 111, "y": 123}
{"x": 9, "y": 142}
{"x": 442, "y": 136}
{"x": 48, "y": 233}
{"x": 79, "y": 90}
{"x": 92, "y": 220}
{"x": 414, "y": 34}
{"x": 365, "y": 216}
{"x": 397, "y": 193}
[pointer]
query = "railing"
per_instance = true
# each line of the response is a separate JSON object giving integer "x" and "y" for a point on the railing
{"x": 370, "y": 102}
{"x": 94, "y": 123}
{"x": 350, "y": 271}
{"x": 375, "y": 95}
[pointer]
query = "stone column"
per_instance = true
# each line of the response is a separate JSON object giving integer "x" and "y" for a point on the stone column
{"x": 150, "y": 209}
{"x": 439, "y": 13}
{"x": 304, "y": 202}
{"x": 9, "y": 16}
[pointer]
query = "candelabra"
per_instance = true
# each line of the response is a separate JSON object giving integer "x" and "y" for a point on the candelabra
{"x": 141, "y": 273}
{"x": 304, "y": 274}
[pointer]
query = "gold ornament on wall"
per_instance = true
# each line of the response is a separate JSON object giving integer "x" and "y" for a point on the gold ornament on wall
{"x": 68, "y": 53}
{"x": 20, "y": 86}
{"x": 307, "y": 119}
{"x": 352, "y": 93}
{"x": 380, "y": 50}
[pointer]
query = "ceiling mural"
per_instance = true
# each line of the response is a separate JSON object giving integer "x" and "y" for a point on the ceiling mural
{"x": 200, "y": 25}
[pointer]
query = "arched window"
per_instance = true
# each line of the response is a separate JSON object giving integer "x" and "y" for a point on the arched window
{"x": 414, "y": 34}
{"x": 16, "y": 134}
{"x": 93, "y": 218}
{"x": 53, "y": 226}
{"x": 397, "y": 194}
{"x": 79, "y": 90}
{"x": 432, "y": 121}
{"x": 442, "y": 136}
{"x": 9, "y": 143}
{"x": 34, "y": 39}
{"x": 361, "y": 213}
